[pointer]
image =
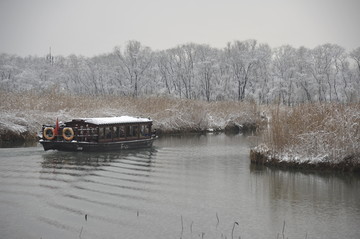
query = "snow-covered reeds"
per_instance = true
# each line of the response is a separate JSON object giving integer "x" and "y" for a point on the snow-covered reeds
{"x": 28, "y": 110}
{"x": 314, "y": 134}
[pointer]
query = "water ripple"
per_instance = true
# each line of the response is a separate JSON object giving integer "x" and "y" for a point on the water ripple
{"x": 58, "y": 224}
{"x": 184, "y": 182}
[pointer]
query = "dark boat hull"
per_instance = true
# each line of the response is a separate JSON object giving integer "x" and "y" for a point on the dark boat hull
{"x": 95, "y": 146}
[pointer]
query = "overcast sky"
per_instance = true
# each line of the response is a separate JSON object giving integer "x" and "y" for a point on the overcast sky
{"x": 93, "y": 27}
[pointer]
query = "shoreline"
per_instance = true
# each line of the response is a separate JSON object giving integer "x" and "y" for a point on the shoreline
{"x": 317, "y": 132}
{"x": 258, "y": 155}
{"x": 23, "y": 114}
{"x": 311, "y": 137}
{"x": 349, "y": 164}
{"x": 14, "y": 136}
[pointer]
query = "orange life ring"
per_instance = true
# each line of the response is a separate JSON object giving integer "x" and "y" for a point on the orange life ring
{"x": 49, "y": 133}
{"x": 68, "y": 134}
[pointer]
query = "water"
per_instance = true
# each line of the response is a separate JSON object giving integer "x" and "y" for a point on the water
{"x": 185, "y": 187}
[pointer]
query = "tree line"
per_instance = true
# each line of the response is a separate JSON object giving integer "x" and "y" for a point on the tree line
{"x": 242, "y": 70}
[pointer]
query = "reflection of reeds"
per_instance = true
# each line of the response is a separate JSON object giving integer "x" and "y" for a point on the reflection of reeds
{"x": 182, "y": 226}
{"x": 232, "y": 231}
{"x": 283, "y": 230}
{"x": 80, "y": 232}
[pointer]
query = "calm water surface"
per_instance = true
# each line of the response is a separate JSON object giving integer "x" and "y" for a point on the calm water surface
{"x": 185, "y": 187}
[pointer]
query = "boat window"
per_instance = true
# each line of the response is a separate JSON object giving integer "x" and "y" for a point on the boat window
{"x": 120, "y": 132}
{"x": 131, "y": 131}
{"x": 127, "y": 131}
{"x": 101, "y": 133}
{"x": 116, "y": 132}
{"x": 108, "y": 132}
{"x": 148, "y": 130}
{"x": 135, "y": 130}
{"x": 144, "y": 130}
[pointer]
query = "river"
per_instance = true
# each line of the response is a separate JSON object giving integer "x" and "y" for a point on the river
{"x": 194, "y": 186}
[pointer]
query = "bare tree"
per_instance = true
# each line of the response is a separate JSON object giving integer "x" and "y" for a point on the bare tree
{"x": 355, "y": 55}
{"x": 284, "y": 71}
{"x": 243, "y": 70}
{"x": 242, "y": 59}
{"x": 135, "y": 61}
{"x": 206, "y": 69}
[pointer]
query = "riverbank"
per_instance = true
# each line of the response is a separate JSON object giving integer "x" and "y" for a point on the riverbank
{"x": 261, "y": 155}
{"x": 311, "y": 136}
{"x": 308, "y": 136}
{"x": 23, "y": 114}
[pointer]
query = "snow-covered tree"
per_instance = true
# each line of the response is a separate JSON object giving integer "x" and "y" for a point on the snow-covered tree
{"x": 243, "y": 59}
{"x": 135, "y": 61}
{"x": 243, "y": 70}
{"x": 284, "y": 68}
{"x": 206, "y": 68}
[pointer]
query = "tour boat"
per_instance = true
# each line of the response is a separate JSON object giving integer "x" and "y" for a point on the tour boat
{"x": 98, "y": 134}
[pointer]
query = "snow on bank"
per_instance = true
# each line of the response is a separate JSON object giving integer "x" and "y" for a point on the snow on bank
{"x": 311, "y": 135}
{"x": 289, "y": 157}
{"x": 14, "y": 124}
{"x": 263, "y": 155}
{"x": 169, "y": 115}
{"x": 18, "y": 128}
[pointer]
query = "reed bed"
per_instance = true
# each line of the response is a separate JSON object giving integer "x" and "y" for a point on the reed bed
{"x": 314, "y": 133}
{"x": 307, "y": 133}
{"x": 23, "y": 112}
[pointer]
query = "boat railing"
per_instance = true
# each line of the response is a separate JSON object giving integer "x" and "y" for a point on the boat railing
{"x": 102, "y": 134}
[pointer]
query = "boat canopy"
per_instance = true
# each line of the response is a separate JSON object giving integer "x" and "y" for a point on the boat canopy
{"x": 113, "y": 120}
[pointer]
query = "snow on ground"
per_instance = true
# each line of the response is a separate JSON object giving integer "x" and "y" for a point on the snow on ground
{"x": 290, "y": 157}
{"x": 311, "y": 134}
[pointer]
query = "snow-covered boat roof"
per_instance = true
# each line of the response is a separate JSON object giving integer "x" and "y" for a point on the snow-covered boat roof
{"x": 114, "y": 120}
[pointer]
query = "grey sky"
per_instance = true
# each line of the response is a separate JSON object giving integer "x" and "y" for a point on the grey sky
{"x": 92, "y": 27}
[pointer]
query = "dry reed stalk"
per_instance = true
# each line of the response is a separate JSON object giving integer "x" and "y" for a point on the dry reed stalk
{"x": 169, "y": 114}
{"x": 332, "y": 130}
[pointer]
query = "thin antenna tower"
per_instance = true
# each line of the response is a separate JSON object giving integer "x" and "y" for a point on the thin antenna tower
{"x": 49, "y": 57}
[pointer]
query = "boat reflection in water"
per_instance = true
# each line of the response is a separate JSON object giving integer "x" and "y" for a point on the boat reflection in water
{"x": 95, "y": 159}
{"x": 70, "y": 165}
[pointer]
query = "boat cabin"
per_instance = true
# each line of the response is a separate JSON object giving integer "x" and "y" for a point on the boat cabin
{"x": 109, "y": 129}
{"x": 102, "y": 132}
